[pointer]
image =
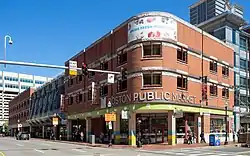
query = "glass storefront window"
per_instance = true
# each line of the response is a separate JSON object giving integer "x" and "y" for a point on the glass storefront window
{"x": 153, "y": 127}
{"x": 217, "y": 125}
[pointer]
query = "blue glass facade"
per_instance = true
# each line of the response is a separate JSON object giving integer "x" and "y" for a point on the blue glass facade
{"x": 46, "y": 101}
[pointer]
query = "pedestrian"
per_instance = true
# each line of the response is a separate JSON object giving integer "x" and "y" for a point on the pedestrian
{"x": 82, "y": 136}
{"x": 202, "y": 135}
{"x": 190, "y": 138}
{"x": 234, "y": 135}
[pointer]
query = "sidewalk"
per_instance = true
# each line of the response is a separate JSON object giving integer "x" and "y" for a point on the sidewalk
{"x": 144, "y": 147}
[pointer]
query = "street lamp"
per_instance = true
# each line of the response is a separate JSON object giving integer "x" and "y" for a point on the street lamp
{"x": 6, "y": 37}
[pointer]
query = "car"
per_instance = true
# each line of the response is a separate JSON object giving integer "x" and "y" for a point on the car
{"x": 23, "y": 136}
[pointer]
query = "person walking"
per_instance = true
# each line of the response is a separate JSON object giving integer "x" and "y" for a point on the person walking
{"x": 202, "y": 135}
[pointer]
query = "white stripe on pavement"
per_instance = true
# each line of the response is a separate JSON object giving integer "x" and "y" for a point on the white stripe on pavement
{"x": 39, "y": 151}
{"x": 46, "y": 144}
{"x": 78, "y": 150}
{"x": 19, "y": 145}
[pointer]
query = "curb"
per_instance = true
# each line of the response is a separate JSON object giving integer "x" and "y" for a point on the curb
{"x": 84, "y": 144}
{"x": 132, "y": 147}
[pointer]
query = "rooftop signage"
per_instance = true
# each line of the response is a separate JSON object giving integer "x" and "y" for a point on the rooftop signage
{"x": 152, "y": 27}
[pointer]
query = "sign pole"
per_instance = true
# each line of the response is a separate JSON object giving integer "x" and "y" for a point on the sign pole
{"x": 110, "y": 129}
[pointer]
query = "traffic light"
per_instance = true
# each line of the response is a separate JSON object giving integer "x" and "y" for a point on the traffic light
{"x": 84, "y": 69}
{"x": 124, "y": 73}
{"x": 204, "y": 79}
{"x": 204, "y": 91}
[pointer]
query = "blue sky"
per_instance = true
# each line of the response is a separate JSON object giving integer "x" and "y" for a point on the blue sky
{"x": 51, "y": 31}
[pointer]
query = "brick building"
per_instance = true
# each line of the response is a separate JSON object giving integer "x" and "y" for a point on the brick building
{"x": 162, "y": 93}
{"x": 19, "y": 112}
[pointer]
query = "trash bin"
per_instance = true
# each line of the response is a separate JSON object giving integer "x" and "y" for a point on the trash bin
{"x": 92, "y": 139}
{"x": 214, "y": 140}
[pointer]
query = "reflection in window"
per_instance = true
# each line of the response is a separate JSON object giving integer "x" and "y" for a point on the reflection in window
{"x": 152, "y": 49}
{"x": 152, "y": 80}
{"x": 217, "y": 125}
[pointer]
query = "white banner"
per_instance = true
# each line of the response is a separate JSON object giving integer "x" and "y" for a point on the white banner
{"x": 152, "y": 27}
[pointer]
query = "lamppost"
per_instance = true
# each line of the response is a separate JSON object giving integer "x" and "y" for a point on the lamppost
{"x": 6, "y": 37}
{"x": 110, "y": 125}
{"x": 18, "y": 125}
{"x": 226, "y": 107}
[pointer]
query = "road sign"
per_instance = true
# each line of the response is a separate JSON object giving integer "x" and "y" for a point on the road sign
{"x": 19, "y": 125}
{"x": 109, "y": 104}
{"x": 110, "y": 117}
{"x": 124, "y": 114}
{"x": 72, "y": 68}
{"x": 111, "y": 78}
{"x": 55, "y": 121}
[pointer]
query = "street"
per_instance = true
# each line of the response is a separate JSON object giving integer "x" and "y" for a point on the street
{"x": 34, "y": 147}
{"x": 204, "y": 151}
{"x": 12, "y": 147}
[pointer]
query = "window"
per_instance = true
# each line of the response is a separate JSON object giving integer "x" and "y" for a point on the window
{"x": 182, "y": 83}
{"x": 220, "y": 34}
{"x": 104, "y": 65}
{"x": 90, "y": 94}
{"x": 80, "y": 97}
{"x": 225, "y": 93}
{"x": 122, "y": 58}
{"x": 104, "y": 91}
{"x": 182, "y": 55}
{"x": 243, "y": 81}
{"x": 152, "y": 80}
{"x": 71, "y": 81}
{"x": 243, "y": 43}
{"x": 39, "y": 82}
{"x": 213, "y": 90}
{"x": 150, "y": 49}
{"x": 225, "y": 71}
{"x": 234, "y": 36}
{"x": 243, "y": 63}
{"x": 91, "y": 74}
{"x": 71, "y": 100}
{"x": 121, "y": 85}
{"x": 213, "y": 66}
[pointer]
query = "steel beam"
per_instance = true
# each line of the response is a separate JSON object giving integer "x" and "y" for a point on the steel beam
{"x": 52, "y": 66}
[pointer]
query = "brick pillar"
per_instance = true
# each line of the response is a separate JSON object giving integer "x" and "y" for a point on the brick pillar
{"x": 205, "y": 125}
{"x": 132, "y": 129}
{"x": 117, "y": 128}
{"x": 88, "y": 128}
{"x": 171, "y": 128}
{"x": 69, "y": 129}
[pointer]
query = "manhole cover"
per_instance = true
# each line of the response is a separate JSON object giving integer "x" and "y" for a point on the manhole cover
{"x": 44, "y": 149}
{"x": 54, "y": 149}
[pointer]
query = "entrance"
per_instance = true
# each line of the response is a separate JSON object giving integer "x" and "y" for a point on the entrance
{"x": 153, "y": 127}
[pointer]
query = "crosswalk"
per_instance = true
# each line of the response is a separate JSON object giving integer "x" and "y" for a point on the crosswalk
{"x": 196, "y": 152}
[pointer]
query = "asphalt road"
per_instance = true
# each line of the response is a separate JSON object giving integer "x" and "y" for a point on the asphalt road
{"x": 34, "y": 147}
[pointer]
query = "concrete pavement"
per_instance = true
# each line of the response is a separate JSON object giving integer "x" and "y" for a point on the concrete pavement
{"x": 204, "y": 151}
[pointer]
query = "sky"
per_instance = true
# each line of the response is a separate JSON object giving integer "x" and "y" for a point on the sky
{"x": 52, "y": 31}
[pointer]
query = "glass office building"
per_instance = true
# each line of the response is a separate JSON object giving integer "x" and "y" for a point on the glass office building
{"x": 225, "y": 21}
